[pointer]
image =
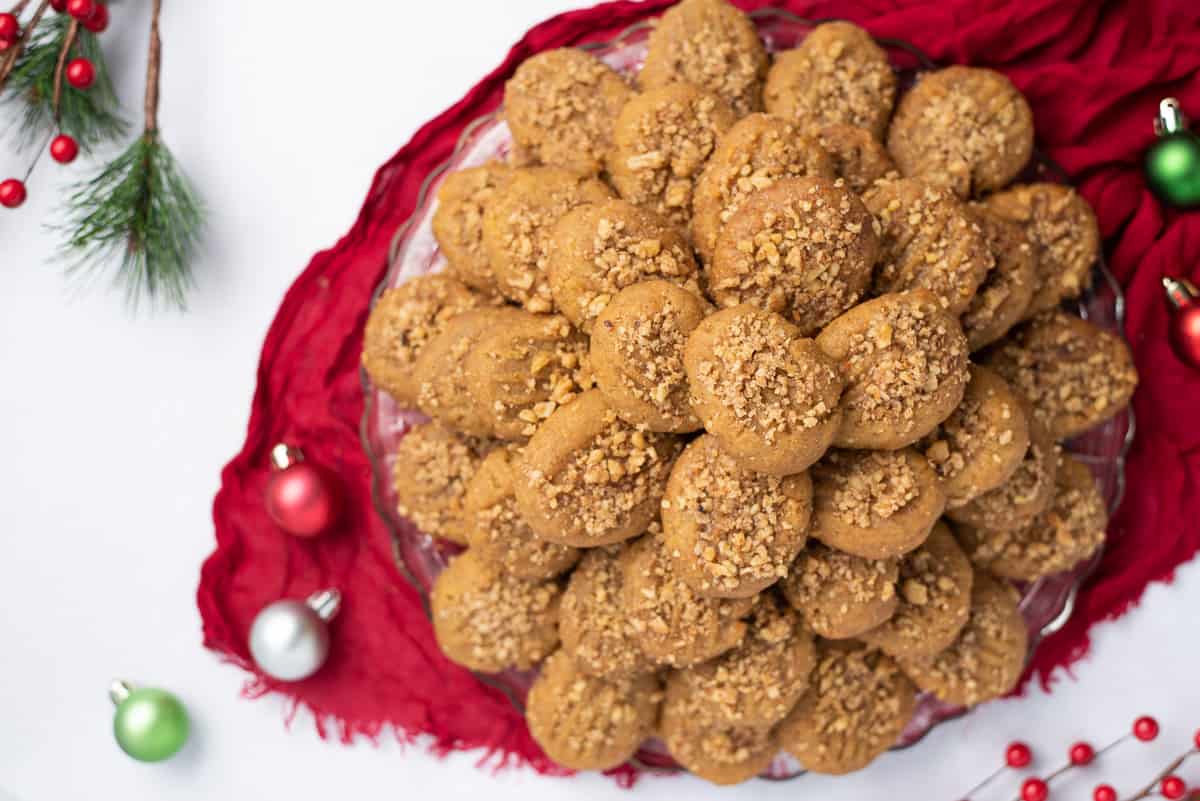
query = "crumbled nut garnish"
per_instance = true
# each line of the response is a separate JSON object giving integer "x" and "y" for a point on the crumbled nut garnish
{"x": 458, "y": 222}
{"x": 829, "y": 587}
{"x": 1006, "y": 292}
{"x": 432, "y": 470}
{"x": 653, "y": 347}
{"x": 856, "y": 155}
{"x": 868, "y": 486}
{"x": 593, "y": 624}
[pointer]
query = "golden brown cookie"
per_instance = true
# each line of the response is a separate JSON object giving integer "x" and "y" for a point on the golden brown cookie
{"x": 1027, "y": 492}
{"x": 841, "y": 595}
{"x": 732, "y": 533}
{"x": 585, "y": 722}
{"x": 935, "y": 600}
{"x": 1075, "y": 374}
{"x": 587, "y": 478}
{"x": 488, "y": 620}
{"x": 857, "y": 709}
{"x": 966, "y": 129}
{"x": 875, "y": 504}
{"x": 1065, "y": 236}
{"x": 837, "y": 75}
{"x": 757, "y": 683}
{"x": 858, "y": 157}
{"x": 755, "y": 153}
{"x": 523, "y": 368}
{"x": 560, "y": 106}
{"x": 711, "y": 44}
{"x": 662, "y": 140}
{"x": 905, "y": 365}
{"x": 768, "y": 394}
{"x": 458, "y": 222}
{"x": 518, "y": 225}
{"x": 927, "y": 241}
{"x": 600, "y": 249}
{"x": 433, "y": 468}
{"x": 1071, "y": 530}
{"x": 981, "y": 444}
{"x": 987, "y": 658}
{"x": 402, "y": 322}
{"x": 674, "y": 625}
{"x": 595, "y": 629}
{"x": 637, "y": 354}
{"x": 498, "y": 533}
{"x": 1007, "y": 290}
{"x": 720, "y": 754}
{"x": 803, "y": 248}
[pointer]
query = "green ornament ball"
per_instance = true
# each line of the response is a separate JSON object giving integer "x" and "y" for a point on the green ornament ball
{"x": 150, "y": 724}
{"x": 1173, "y": 168}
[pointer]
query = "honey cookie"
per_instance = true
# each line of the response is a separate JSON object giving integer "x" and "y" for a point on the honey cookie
{"x": 768, "y": 394}
{"x": 858, "y": 157}
{"x": 523, "y": 368}
{"x": 927, "y": 241}
{"x": 966, "y": 129}
{"x": 585, "y": 722}
{"x": 600, "y": 249}
{"x": 518, "y": 225}
{"x": 757, "y": 683}
{"x": 458, "y": 222}
{"x": 836, "y": 76}
{"x": 935, "y": 600}
{"x": 732, "y": 533}
{"x": 1003, "y": 298}
{"x": 674, "y": 625}
{"x": 711, "y": 44}
{"x": 755, "y": 153}
{"x": 593, "y": 625}
{"x": 637, "y": 354}
{"x": 720, "y": 754}
{"x": 841, "y": 595}
{"x": 981, "y": 444}
{"x": 857, "y": 709}
{"x": 402, "y": 322}
{"x": 433, "y": 468}
{"x": 875, "y": 504}
{"x": 1064, "y": 233}
{"x": 1075, "y": 374}
{"x": 1027, "y": 492}
{"x": 560, "y": 106}
{"x": 662, "y": 140}
{"x": 803, "y": 248}
{"x": 488, "y": 620}
{"x": 496, "y": 531}
{"x": 588, "y": 478}
{"x": 987, "y": 658}
{"x": 905, "y": 364}
{"x": 1071, "y": 530}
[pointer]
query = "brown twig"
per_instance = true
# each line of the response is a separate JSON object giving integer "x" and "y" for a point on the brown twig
{"x": 61, "y": 66}
{"x": 153, "y": 68}
{"x": 15, "y": 51}
{"x": 1167, "y": 771}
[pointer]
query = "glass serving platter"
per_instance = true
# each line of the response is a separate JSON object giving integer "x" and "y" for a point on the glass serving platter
{"x": 1046, "y": 604}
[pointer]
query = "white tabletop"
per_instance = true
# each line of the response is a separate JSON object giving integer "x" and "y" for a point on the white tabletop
{"x": 117, "y": 428}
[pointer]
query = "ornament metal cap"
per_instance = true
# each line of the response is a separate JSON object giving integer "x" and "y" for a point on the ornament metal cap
{"x": 326, "y": 603}
{"x": 1171, "y": 118}
{"x": 118, "y": 691}
{"x": 1180, "y": 291}
{"x": 284, "y": 456}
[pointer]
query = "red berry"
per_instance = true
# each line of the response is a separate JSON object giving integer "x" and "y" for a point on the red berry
{"x": 5, "y": 44}
{"x": 81, "y": 10}
{"x": 1081, "y": 754}
{"x": 1104, "y": 792}
{"x": 1196, "y": 739}
{"x": 81, "y": 73}
{"x": 59, "y": 5}
{"x": 9, "y": 27}
{"x": 1035, "y": 790}
{"x": 1173, "y": 787}
{"x": 1017, "y": 755}
{"x": 1145, "y": 728}
{"x": 98, "y": 22}
{"x": 64, "y": 149}
{"x": 12, "y": 193}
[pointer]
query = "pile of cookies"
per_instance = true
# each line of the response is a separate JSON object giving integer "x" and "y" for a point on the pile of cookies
{"x": 746, "y": 385}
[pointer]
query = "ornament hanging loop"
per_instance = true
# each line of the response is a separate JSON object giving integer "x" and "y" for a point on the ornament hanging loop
{"x": 1180, "y": 291}
{"x": 326, "y": 603}
{"x": 284, "y": 456}
{"x": 1171, "y": 118}
{"x": 119, "y": 691}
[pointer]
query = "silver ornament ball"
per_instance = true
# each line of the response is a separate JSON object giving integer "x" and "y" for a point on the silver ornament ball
{"x": 290, "y": 639}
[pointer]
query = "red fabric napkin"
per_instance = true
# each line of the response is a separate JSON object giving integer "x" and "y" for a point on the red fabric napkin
{"x": 1093, "y": 73}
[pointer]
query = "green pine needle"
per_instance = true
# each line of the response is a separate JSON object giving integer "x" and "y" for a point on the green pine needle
{"x": 143, "y": 208}
{"x": 91, "y": 116}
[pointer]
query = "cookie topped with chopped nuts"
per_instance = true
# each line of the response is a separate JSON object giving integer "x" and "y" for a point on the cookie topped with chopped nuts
{"x": 458, "y": 222}
{"x": 433, "y": 468}
{"x": 838, "y": 594}
{"x": 858, "y": 157}
{"x": 1006, "y": 293}
{"x": 595, "y": 628}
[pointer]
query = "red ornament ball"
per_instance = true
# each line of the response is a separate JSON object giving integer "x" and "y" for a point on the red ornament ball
{"x": 1034, "y": 790}
{"x": 81, "y": 73}
{"x": 1145, "y": 728}
{"x": 12, "y": 193}
{"x": 1185, "y": 333}
{"x": 1173, "y": 787}
{"x": 1081, "y": 754}
{"x": 301, "y": 499}
{"x": 98, "y": 22}
{"x": 81, "y": 10}
{"x": 10, "y": 28}
{"x": 64, "y": 149}
{"x": 1196, "y": 739}
{"x": 59, "y": 5}
{"x": 1104, "y": 792}
{"x": 1017, "y": 755}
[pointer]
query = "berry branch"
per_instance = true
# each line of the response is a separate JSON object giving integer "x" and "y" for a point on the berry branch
{"x": 18, "y": 48}
{"x": 61, "y": 66}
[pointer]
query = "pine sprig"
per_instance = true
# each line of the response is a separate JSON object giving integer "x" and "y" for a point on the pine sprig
{"x": 91, "y": 117}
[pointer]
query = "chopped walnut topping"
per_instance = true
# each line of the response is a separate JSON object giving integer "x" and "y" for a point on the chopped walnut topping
{"x": 432, "y": 470}
{"x": 458, "y": 222}
{"x": 868, "y": 486}
{"x": 594, "y": 626}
